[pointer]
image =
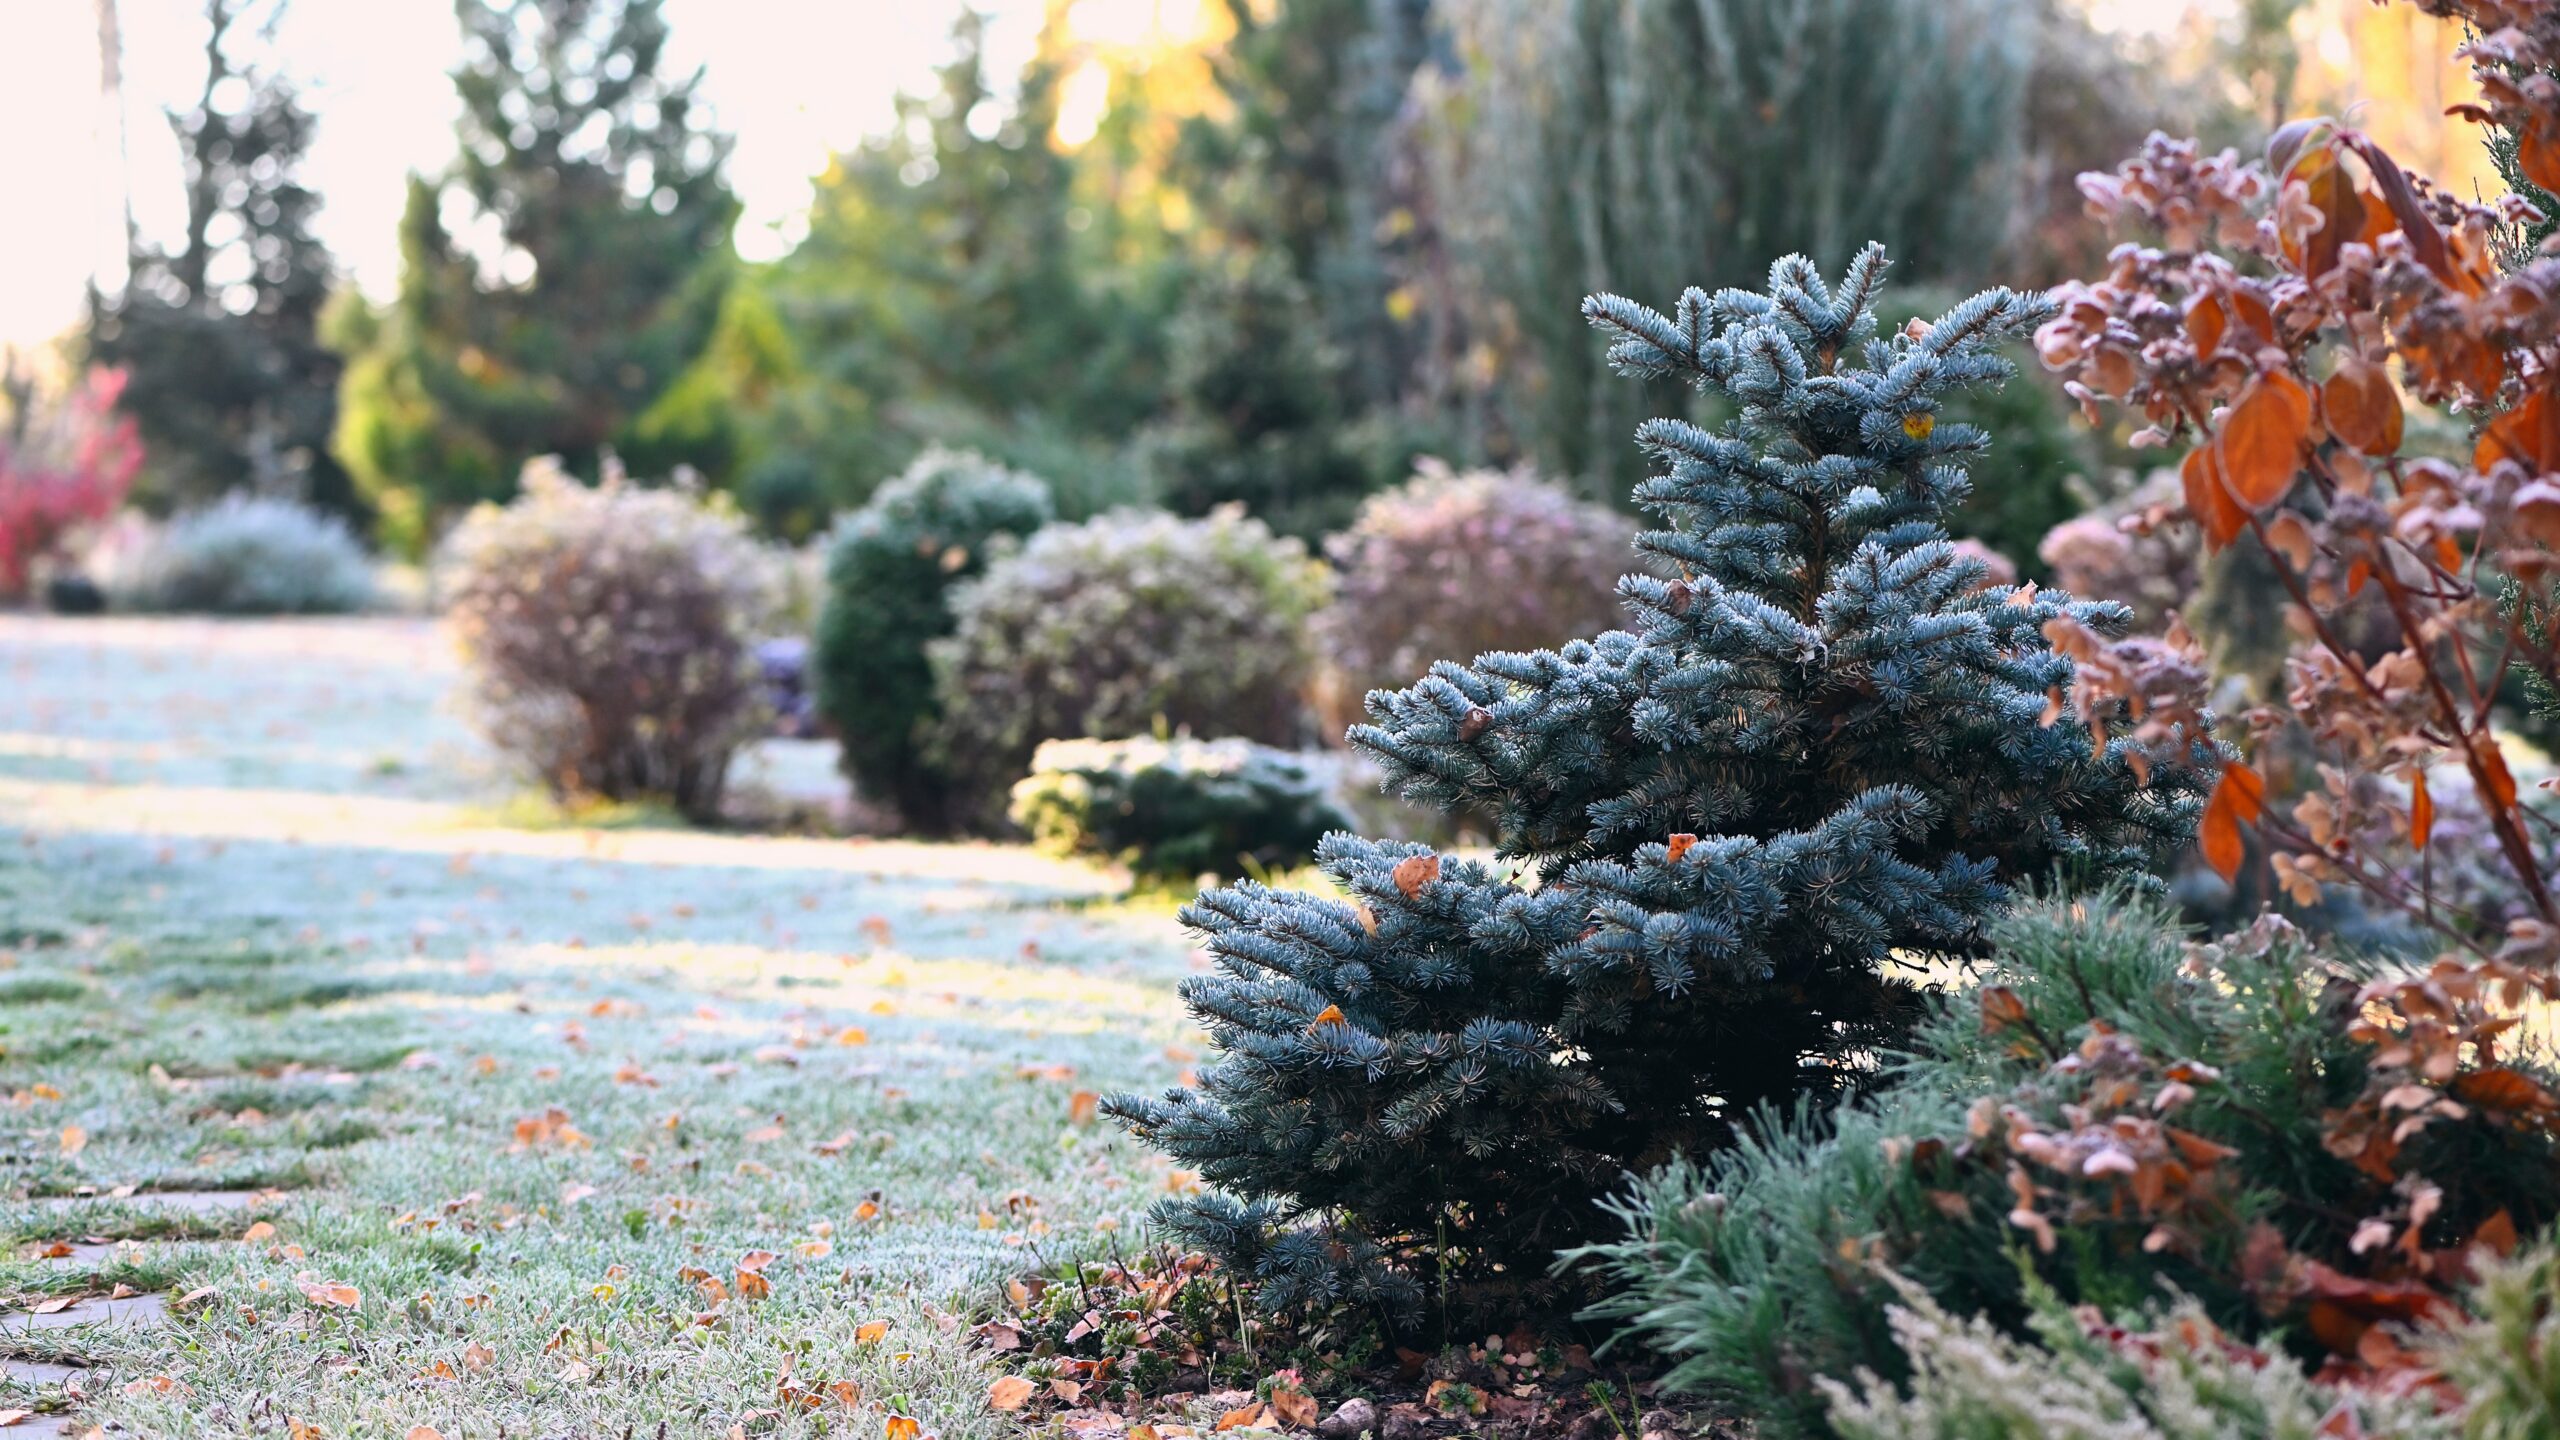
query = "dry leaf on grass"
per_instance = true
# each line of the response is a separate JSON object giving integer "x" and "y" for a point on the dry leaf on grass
{"x": 1011, "y": 1392}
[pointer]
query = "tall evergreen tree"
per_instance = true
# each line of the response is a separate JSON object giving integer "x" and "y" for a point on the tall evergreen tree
{"x": 219, "y": 335}
{"x": 1822, "y": 754}
{"x": 591, "y": 272}
{"x": 948, "y": 291}
{"x": 1296, "y": 163}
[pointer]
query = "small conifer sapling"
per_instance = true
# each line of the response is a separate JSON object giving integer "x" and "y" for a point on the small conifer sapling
{"x": 1823, "y": 753}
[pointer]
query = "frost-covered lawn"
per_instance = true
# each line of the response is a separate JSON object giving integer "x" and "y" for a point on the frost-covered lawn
{"x": 523, "y": 1101}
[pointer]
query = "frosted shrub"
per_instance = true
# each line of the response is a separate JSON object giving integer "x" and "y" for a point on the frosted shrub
{"x": 610, "y": 634}
{"x": 2178, "y": 1379}
{"x": 1123, "y": 625}
{"x": 252, "y": 555}
{"x": 1172, "y": 809}
{"x": 1457, "y": 565}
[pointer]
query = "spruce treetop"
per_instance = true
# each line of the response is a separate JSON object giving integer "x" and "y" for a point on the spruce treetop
{"x": 1824, "y": 749}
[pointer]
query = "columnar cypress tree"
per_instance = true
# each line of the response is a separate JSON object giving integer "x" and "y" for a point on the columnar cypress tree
{"x": 1823, "y": 754}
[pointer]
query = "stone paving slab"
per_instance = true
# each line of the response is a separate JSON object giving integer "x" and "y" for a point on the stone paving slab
{"x": 130, "y": 1310}
{"x": 200, "y": 1202}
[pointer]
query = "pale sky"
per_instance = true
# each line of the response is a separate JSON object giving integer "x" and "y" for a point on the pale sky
{"x": 793, "y": 80}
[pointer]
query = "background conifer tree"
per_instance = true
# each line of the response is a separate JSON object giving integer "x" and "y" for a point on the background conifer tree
{"x": 219, "y": 335}
{"x": 600, "y": 186}
{"x": 1823, "y": 749}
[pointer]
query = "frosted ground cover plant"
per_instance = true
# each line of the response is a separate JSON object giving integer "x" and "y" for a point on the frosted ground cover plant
{"x": 520, "y": 1094}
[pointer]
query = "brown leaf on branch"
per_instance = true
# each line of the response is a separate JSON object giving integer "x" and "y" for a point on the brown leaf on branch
{"x": 2529, "y": 435}
{"x": 2362, "y": 409}
{"x": 2260, "y": 448}
{"x": 2238, "y": 798}
{"x": 2503, "y": 1089}
{"x": 2209, "y": 501}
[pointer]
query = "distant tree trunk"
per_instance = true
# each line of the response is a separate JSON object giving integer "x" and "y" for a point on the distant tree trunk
{"x": 114, "y": 253}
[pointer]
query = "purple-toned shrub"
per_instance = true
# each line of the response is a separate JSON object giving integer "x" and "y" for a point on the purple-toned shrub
{"x": 1449, "y": 566}
{"x": 610, "y": 633}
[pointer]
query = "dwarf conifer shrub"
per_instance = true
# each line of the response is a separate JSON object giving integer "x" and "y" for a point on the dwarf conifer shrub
{"x": 610, "y": 633}
{"x": 1820, "y": 747}
{"x": 1132, "y": 623}
{"x": 1451, "y": 564}
{"x": 891, "y": 567}
{"x": 1171, "y": 809}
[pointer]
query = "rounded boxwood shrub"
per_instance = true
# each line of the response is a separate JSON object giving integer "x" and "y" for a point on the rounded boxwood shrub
{"x": 253, "y": 555}
{"x": 891, "y": 566}
{"x": 1172, "y": 809}
{"x": 1126, "y": 624}
{"x": 1449, "y": 564}
{"x": 610, "y": 632}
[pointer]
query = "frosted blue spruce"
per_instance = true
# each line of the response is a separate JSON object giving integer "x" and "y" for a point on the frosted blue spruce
{"x": 1818, "y": 753}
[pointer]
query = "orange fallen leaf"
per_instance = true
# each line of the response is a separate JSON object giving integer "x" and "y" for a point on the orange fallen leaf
{"x": 74, "y": 1139}
{"x": 329, "y": 1296}
{"x": 263, "y": 1230}
{"x": 1082, "y": 1106}
{"x": 904, "y": 1427}
{"x": 870, "y": 1332}
{"x": 1011, "y": 1392}
{"x": 1294, "y": 1407}
{"x": 1242, "y": 1417}
{"x": 1672, "y": 850}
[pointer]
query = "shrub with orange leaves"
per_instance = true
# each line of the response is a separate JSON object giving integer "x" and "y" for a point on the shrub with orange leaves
{"x": 2281, "y": 327}
{"x": 2321, "y": 1156}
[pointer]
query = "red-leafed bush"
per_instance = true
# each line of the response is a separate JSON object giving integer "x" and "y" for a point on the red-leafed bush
{"x": 62, "y": 466}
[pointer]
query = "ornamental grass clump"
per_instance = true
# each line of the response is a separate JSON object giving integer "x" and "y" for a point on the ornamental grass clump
{"x": 609, "y": 631}
{"x": 1824, "y": 750}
